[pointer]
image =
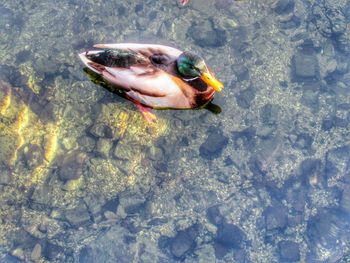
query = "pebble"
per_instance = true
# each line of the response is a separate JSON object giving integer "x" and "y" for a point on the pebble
{"x": 36, "y": 252}
{"x": 335, "y": 160}
{"x": 52, "y": 252}
{"x": 181, "y": 245}
{"x": 5, "y": 177}
{"x": 289, "y": 251}
{"x": 305, "y": 65}
{"x": 269, "y": 114}
{"x": 205, "y": 35}
{"x": 303, "y": 142}
{"x": 276, "y": 217}
{"x": 33, "y": 156}
{"x": 345, "y": 200}
{"x": 86, "y": 143}
{"x": 329, "y": 20}
{"x": 245, "y": 97}
{"x": 78, "y": 215}
{"x": 72, "y": 166}
{"x": 18, "y": 253}
{"x": 310, "y": 99}
{"x": 213, "y": 145}
{"x": 103, "y": 147}
{"x": 283, "y": 6}
{"x": 229, "y": 235}
{"x": 214, "y": 216}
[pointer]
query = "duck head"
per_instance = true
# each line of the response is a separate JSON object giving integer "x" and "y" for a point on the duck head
{"x": 191, "y": 66}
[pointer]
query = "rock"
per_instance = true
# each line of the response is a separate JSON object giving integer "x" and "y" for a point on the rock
{"x": 229, "y": 235}
{"x": 125, "y": 150}
{"x": 36, "y": 252}
{"x": 78, "y": 215}
{"x": 283, "y": 6}
{"x": 5, "y": 177}
{"x": 311, "y": 171}
{"x": 329, "y": 20}
{"x": 214, "y": 216}
{"x": 345, "y": 200}
{"x": 181, "y": 245}
{"x": 33, "y": 155}
{"x": 41, "y": 196}
{"x": 310, "y": 99}
{"x": 94, "y": 203}
{"x": 241, "y": 72}
{"x": 269, "y": 114}
{"x": 10, "y": 259}
{"x": 289, "y": 251}
{"x": 53, "y": 252}
{"x": 325, "y": 229}
{"x": 101, "y": 130}
{"x": 223, "y": 4}
{"x": 205, "y": 35}
{"x": 303, "y": 142}
{"x": 86, "y": 143}
{"x": 276, "y": 217}
{"x": 103, "y": 248}
{"x": 338, "y": 163}
{"x": 305, "y": 65}
{"x": 328, "y": 124}
{"x": 245, "y": 138}
{"x": 72, "y": 166}
{"x": 112, "y": 204}
{"x": 155, "y": 153}
{"x": 103, "y": 147}
{"x": 18, "y": 253}
{"x": 213, "y": 145}
{"x": 297, "y": 198}
{"x": 245, "y": 97}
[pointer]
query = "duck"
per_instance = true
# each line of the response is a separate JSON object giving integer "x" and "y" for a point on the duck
{"x": 154, "y": 76}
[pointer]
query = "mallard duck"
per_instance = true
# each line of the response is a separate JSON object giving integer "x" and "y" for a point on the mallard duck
{"x": 154, "y": 76}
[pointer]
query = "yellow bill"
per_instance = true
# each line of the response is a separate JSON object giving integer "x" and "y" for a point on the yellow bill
{"x": 212, "y": 81}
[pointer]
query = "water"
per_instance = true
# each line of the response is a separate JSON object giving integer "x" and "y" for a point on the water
{"x": 85, "y": 179}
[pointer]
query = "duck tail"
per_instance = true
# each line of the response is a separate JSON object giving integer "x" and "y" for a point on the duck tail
{"x": 95, "y": 67}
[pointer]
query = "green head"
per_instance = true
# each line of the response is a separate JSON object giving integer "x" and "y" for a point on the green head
{"x": 192, "y": 66}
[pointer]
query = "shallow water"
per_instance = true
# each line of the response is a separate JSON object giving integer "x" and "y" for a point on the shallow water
{"x": 84, "y": 178}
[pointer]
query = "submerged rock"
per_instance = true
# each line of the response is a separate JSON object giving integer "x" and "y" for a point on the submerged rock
{"x": 229, "y": 235}
{"x": 213, "y": 145}
{"x": 305, "y": 65}
{"x": 245, "y": 97}
{"x": 276, "y": 217}
{"x": 205, "y": 35}
{"x": 289, "y": 251}
{"x": 329, "y": 19}
{"x": 72, "y": 166}
{"x": 78, "y": 215}
{"x": 181, "y": 244}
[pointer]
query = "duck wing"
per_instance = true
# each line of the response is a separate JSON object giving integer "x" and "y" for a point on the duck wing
{"x": 147, "y": 50}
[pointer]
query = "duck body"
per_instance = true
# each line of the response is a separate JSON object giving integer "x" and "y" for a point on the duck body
{"x": 156, "y": 76}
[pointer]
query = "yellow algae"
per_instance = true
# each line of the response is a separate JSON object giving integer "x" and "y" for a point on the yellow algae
{"x": 73, "y": 184}
{"x": 50, "y": 147}
{"x": 37, "y": 175}
{"x": 6, "y": 101}
{"x": 22, "y": 119}
{"x": 20, "y": 123}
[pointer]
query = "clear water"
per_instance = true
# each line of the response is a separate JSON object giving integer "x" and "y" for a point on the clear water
{"x": 84, "y": 178}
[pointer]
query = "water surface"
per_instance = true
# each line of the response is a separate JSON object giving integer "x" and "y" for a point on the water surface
{"x": 84, "y": 178}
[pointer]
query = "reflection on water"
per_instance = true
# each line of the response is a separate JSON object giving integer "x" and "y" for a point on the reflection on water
{"x": 266, "y": 180}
